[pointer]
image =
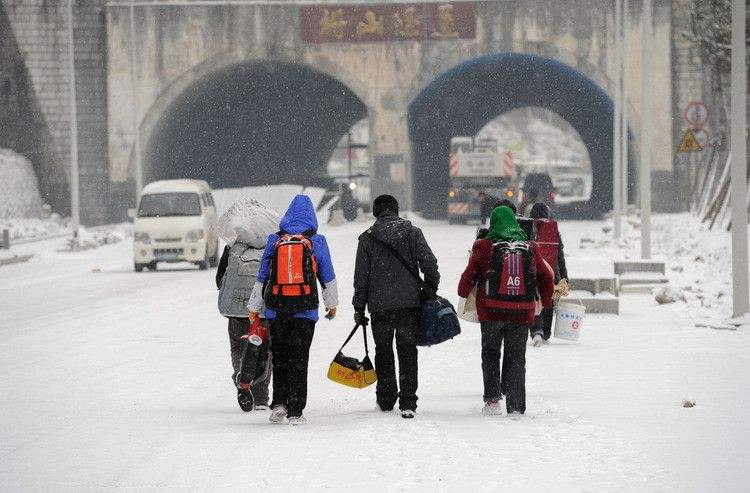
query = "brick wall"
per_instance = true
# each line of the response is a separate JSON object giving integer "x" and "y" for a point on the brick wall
{"x": 39, "y": 31}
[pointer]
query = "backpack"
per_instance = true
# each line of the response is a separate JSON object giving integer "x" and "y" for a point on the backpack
{"x": 548, "y": 240}
{"x": 511, "y": 281}
{"x": 292, "y": 283}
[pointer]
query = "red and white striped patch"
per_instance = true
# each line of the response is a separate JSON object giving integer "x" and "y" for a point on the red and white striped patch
{"x": 458, "y": 208}
{"x": 453, "y": 164}
{"x": 508, "y": 163}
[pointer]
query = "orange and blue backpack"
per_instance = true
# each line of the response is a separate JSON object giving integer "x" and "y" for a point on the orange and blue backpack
{"x": 292, "y": 283}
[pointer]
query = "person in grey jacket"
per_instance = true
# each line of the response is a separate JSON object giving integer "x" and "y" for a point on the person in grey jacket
{"x": 235, "y": 278}
{"x": 394, "y": 298}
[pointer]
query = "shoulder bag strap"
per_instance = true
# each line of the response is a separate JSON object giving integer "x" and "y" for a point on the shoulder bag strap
{"x": 351, "y": 334}
{"x": 403, "y": 261}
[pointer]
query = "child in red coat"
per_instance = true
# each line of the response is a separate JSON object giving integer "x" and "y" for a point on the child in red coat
{"x": 503, "y": 327}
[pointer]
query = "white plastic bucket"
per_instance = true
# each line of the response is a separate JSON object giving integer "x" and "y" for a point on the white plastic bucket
{"x": 568, "y": 320}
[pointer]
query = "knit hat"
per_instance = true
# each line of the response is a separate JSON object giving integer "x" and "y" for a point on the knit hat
{"x": 384, "y": 204}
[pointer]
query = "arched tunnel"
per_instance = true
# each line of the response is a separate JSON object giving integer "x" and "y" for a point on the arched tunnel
{"x": 253, "y": 124}
{"x": 462, "y": 100}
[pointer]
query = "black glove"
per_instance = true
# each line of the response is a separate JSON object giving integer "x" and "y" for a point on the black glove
{"x": 360, "y": 318}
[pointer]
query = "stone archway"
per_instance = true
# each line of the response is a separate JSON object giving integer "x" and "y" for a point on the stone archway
{"x": 464, "y": 98}
{"x": 249, "y": 122}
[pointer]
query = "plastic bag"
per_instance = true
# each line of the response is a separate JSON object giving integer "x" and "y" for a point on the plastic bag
{"x": 249, "y": 222}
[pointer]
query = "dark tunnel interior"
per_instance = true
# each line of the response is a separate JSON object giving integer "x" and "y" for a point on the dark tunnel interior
{"x": 253, "y": 124}
{"x": 462, "y": 100}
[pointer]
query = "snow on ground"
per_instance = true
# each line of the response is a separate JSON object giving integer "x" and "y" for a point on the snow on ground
{"x": 19, "y": 188}
{"x": 111, "y": 379}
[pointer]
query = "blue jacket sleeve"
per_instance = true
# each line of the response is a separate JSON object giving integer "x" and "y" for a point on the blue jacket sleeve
{"x": 325, "y": 264}
{"x": 265, "y": 262}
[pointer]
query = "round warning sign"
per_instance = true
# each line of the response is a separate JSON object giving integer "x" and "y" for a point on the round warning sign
{"x": 695, "y": 114}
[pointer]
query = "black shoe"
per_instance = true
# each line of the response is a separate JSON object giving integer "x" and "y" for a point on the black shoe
{"x": 245, "y": 400}
{"x": 407, "y": 413}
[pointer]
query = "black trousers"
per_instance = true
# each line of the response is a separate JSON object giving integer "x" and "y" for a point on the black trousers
{"x": 237, "y": 328}
{"x": 404, "y": 324}
{"x": 544, "y": 324}
{"x": 513, "y": 372}
{"x": 290, "y": 346}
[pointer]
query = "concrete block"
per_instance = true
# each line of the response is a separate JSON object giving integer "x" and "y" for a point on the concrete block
{"x": 652, "y": 278}
{"x": 626, "y": 266}
{"x": 636, "y": 289}
{"x": 596, "y": 304}
{"x": 595, "y": 284}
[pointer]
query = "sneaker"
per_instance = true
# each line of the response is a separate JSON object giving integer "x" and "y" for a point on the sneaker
{"x": 492, "y": 408}
{"x": 536, "y": 341}
{"x": 260, "y": 407}
{"x": 278, "y": 414}
{"x": 245, "y": 399}
{"x": 297, "y": 420}
{"x": 407, "y": 413}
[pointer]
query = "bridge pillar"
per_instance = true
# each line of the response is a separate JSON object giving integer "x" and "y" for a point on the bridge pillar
{"x": 390, "y": 148}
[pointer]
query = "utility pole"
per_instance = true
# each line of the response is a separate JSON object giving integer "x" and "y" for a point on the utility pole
{"x": 75, "y": 200}
{"x": 740, "y": 301}
{"x": 616, "y": 135}
{"x": 644, "y": 176}
{"x": 624, "y": 110}
{"x": 136, "y": 127}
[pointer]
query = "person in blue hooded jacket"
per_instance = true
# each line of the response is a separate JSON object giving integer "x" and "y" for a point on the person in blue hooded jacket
{"x": 292, "y": 334}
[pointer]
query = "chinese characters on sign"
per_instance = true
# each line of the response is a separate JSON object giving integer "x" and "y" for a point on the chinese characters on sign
{"x": 387, "y": 22}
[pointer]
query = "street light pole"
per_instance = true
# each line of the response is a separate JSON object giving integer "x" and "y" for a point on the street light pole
{"x": 616, "y": 175}
{"x": 136, "y": 130}
{"x": 624, "y": 110}
{"x": 740, "y": 300}
{"x": 75, "y": 200}
{"x": 644, "y": 175}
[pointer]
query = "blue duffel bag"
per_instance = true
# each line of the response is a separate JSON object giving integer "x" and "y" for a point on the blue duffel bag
{"x": 439, "y": 319}
{"x": 439, "y": 322}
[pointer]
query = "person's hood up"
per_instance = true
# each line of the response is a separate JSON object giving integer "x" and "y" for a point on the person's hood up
{"x": 504, "y": 226}
{"x": 300, "y": 216}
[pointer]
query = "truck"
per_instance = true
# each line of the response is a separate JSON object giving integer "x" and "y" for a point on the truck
{"x": 477, "y": 166}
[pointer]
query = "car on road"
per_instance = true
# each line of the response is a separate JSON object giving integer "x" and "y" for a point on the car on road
{"x": 176, "y": 221}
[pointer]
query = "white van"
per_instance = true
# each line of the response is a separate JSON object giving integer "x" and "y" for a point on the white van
{"x": 175, "y": 222}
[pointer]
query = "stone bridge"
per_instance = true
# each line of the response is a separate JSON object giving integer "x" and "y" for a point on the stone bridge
{"x": 256, "y": 92}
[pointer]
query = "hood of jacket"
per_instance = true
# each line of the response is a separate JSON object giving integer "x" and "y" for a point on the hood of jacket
{"x": 391, "y": 229}
{"x": 504, "y": 226}
{"x": 300, "y": 216}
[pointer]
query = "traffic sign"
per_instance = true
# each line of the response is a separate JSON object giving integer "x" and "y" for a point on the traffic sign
{"x": 695, "y": 114}
{"x": 689, "y": 143}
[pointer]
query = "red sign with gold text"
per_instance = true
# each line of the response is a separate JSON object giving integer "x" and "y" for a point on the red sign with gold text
{"x": 387, "y": 22}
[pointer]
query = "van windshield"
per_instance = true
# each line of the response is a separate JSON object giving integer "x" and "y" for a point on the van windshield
{"x": 170, "y": 204}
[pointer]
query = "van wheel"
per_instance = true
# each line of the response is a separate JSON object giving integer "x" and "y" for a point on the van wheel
{"x": 139, "y": 267}
{"x": 152, "y": 266}
{"x": 203, "y": 264}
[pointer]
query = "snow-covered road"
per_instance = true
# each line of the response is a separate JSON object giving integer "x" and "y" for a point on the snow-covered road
{"x": 111, "y": 379}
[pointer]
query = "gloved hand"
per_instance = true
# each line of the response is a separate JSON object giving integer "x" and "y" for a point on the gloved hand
{"x": 360, "y": 318}
{"x": 562, "y": 288}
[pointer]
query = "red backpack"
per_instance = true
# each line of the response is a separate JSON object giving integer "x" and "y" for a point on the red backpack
{"x": 510, "y": 287}
{"x": 292, "y": 283}
{"x": 548, "y": 239}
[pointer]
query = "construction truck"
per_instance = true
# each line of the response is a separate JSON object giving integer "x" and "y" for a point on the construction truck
{"x": 479, "y": 173}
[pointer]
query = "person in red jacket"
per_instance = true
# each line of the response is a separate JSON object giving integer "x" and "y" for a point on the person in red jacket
{"x": 503, "y": 327}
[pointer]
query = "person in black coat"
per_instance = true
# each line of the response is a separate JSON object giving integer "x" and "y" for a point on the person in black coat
{"x": 543, "y": 329}
{"x": 394, "y": 298}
